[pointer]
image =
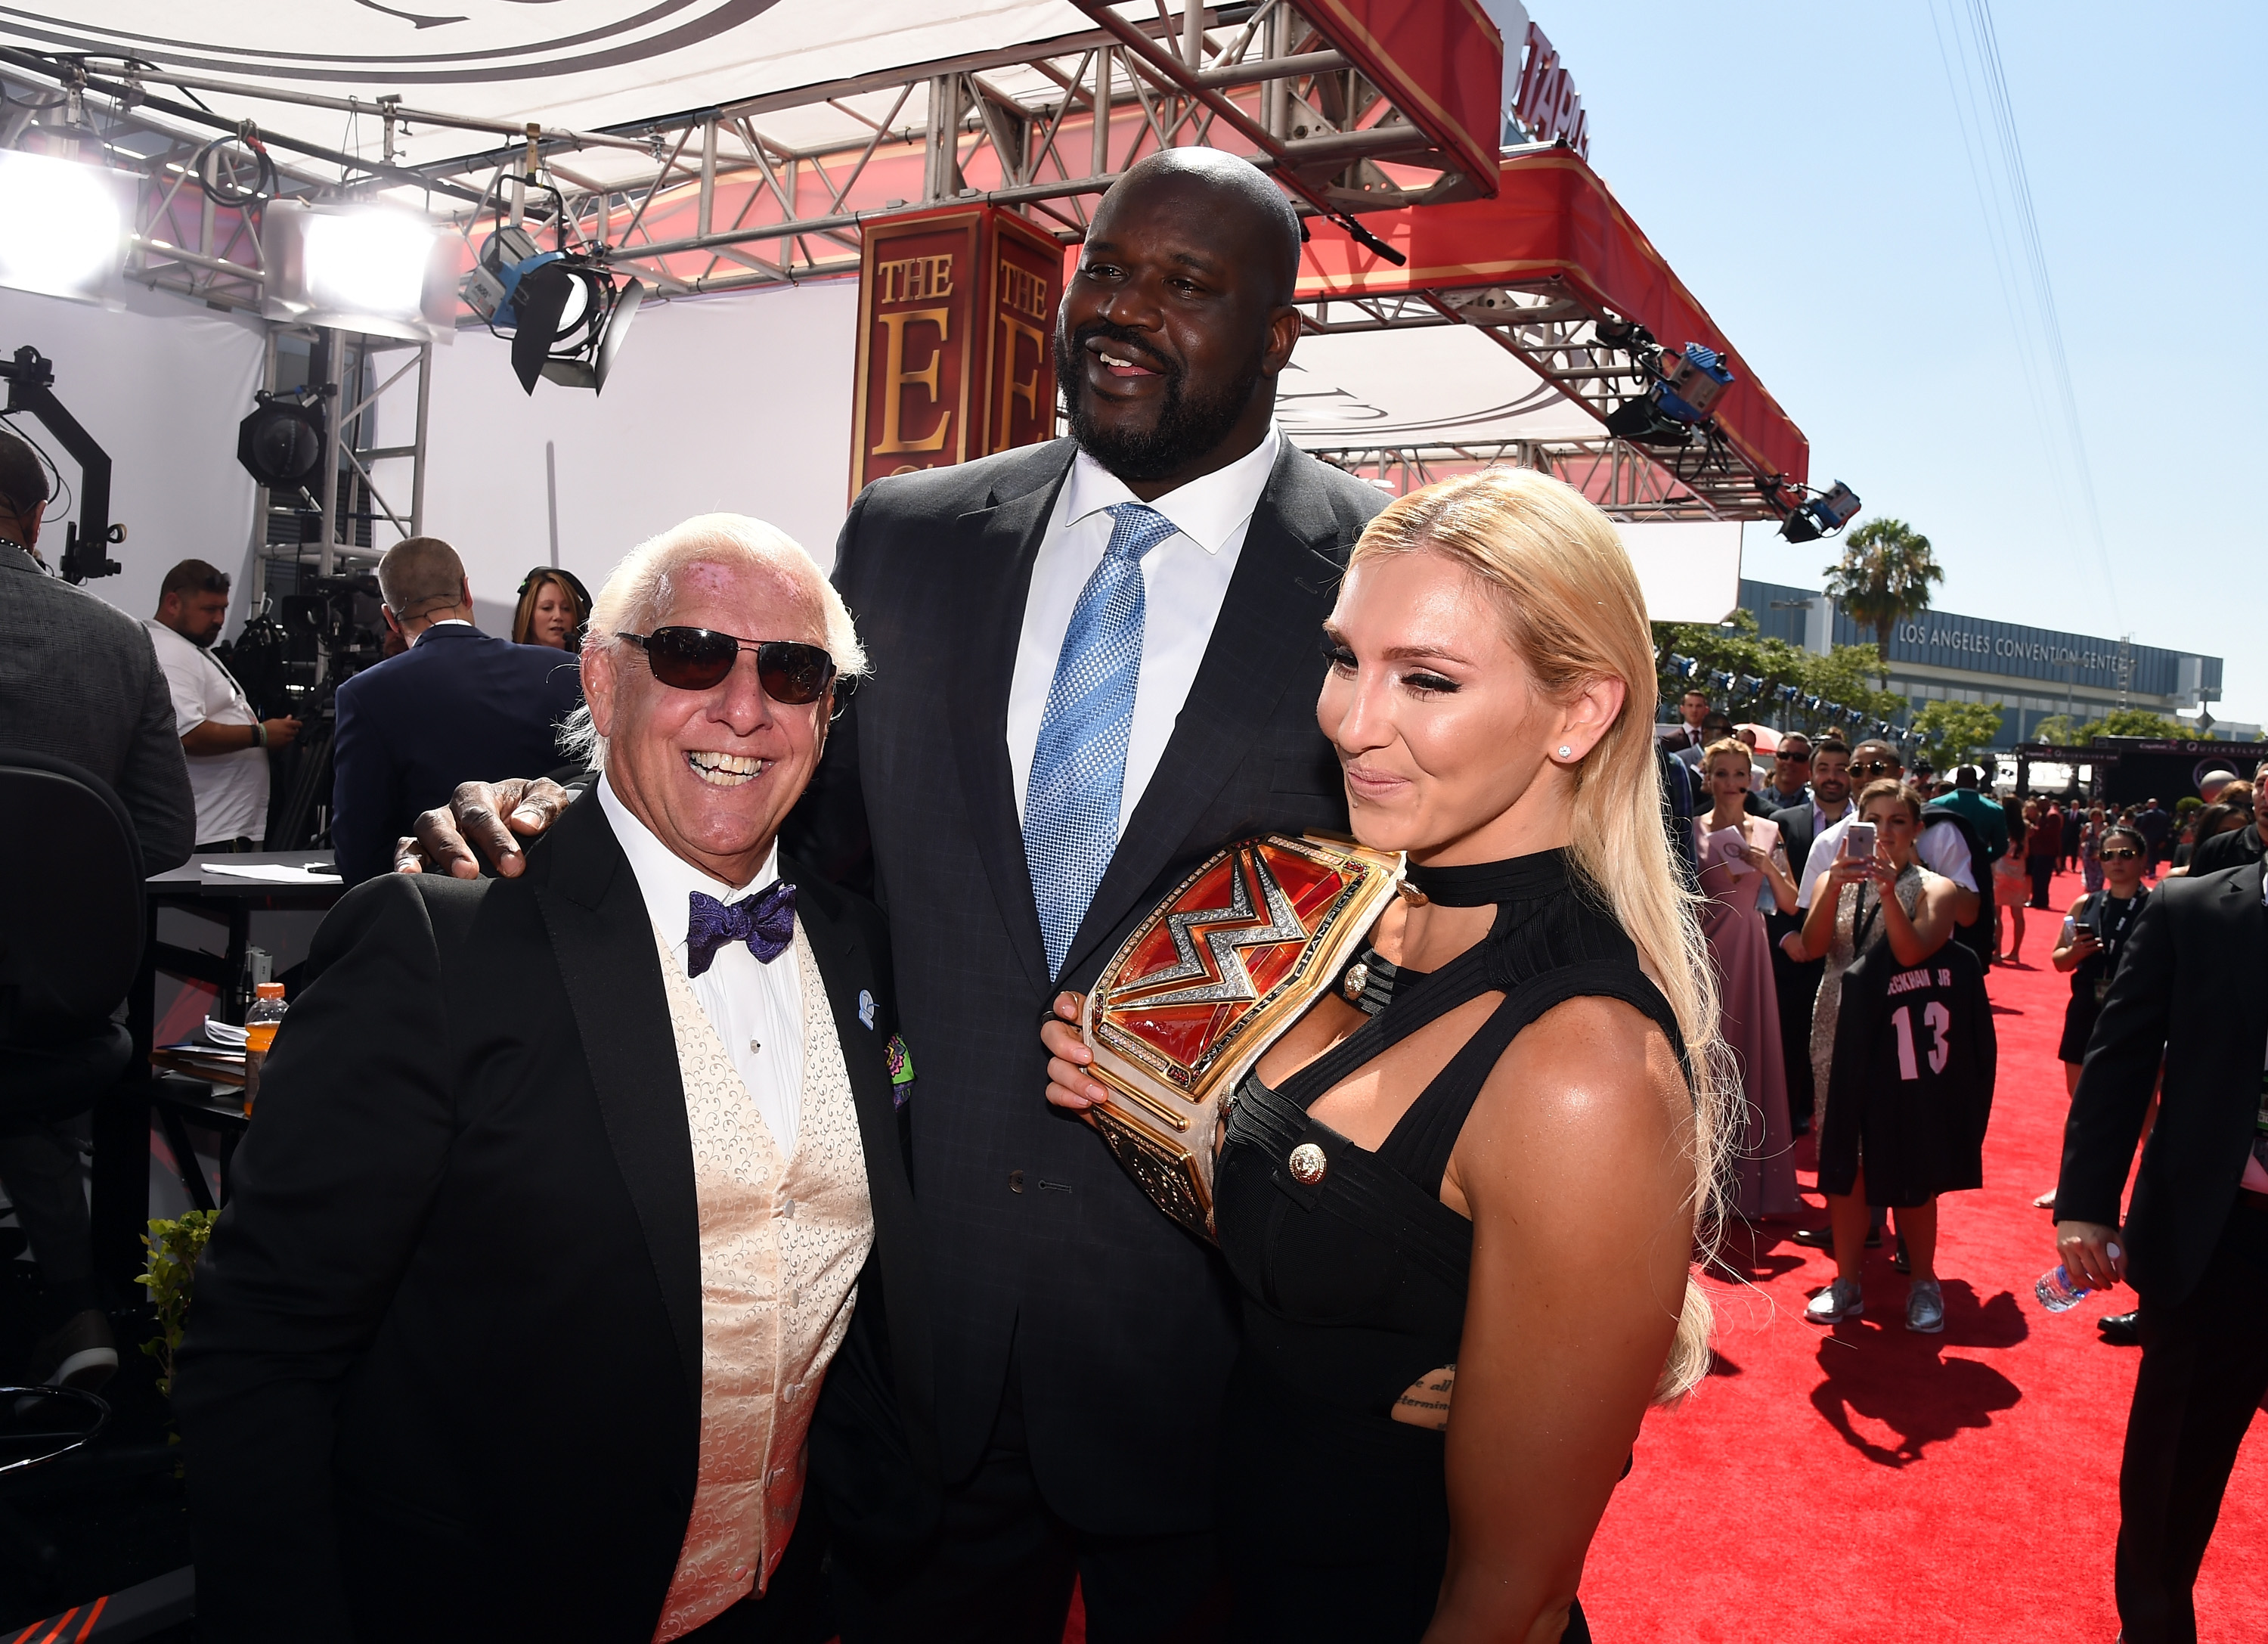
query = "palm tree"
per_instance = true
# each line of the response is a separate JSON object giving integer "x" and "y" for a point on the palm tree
{"x": 1886, "y": 575}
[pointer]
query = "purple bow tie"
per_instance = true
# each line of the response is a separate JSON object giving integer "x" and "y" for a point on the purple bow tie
{"x": 765, "y": 921}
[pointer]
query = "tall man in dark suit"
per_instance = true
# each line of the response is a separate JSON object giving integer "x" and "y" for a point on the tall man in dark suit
{"x": 2239, "y": 846}
{"x": 460, "y": 704}
{"x": 549, "y": 1223}
{"x": 2191, "y": 990}
{"x": 1096, "y": 661}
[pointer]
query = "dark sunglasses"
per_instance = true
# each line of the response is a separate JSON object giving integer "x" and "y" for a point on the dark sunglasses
{"x": 2124, "y": 853}
{"x": 700, "y": 659}
{"x": 1874, "y": 768}
{"x": 1801, "y": 756}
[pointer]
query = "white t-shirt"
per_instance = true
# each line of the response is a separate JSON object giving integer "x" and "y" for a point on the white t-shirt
{"x": 231, "y": 789}
{"x": 1941, "y": 851}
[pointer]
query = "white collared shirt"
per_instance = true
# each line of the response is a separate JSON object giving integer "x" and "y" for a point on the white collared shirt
{"x": 756, "y": 1008}
{"x": 1185, "y": 579}
{"x": 231, "y": 789}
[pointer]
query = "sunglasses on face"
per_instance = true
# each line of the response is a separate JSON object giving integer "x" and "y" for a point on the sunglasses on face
{"x": 699, "y": 659}
{"x": 1874, "y": 768}
{"x": 2122, "y": 853}
{"x": 1793, "y": 755}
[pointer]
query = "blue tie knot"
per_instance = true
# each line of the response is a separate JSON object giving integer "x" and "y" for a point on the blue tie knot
{"x": 1135, "y": 529}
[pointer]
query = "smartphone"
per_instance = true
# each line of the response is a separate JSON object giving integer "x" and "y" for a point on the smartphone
{"x": 1859, "y": 841}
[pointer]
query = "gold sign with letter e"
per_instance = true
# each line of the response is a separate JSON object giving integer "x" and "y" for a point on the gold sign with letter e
{"x": 956, "y": 319}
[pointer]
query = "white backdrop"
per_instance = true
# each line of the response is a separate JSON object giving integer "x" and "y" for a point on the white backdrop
{"x": 739, "y": 404}
{"x": 161, "y": 386}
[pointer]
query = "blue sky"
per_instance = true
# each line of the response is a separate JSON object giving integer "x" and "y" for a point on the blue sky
{"x": 1802, "y": 167}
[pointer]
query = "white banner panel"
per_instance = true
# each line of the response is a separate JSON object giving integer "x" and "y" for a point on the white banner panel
{"x": 161, "y": 386}
{"x": 737, "y": 404}
{"x": 1690, "y": 573}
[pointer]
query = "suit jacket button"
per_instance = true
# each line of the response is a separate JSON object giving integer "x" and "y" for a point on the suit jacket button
{"x": 1015, "y": 1180}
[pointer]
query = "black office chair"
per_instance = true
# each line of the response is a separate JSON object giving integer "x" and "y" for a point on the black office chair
{"x": 71, "y": 930}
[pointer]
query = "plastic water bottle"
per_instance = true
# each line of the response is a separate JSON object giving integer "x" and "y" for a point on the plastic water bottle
{"x": 260, "y": 1025}
{"x": 2058, "y": 1292}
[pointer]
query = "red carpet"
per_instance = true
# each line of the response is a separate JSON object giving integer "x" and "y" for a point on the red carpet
{"x": 1868, "y": 1483}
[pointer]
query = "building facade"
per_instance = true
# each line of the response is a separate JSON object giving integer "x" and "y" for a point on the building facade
{"x": 2034, "y": 674}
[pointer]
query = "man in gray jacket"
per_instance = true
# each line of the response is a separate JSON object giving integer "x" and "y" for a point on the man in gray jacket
{"x": 78, "y": 682}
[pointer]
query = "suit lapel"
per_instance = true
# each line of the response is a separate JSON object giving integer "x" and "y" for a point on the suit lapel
{"x": 2247, "y": 954}
{"x": 603, "y": 939}
{"x": 1286, "y": 578}
{"x": 999, "y": 544}
{"x": 847, "y": 973}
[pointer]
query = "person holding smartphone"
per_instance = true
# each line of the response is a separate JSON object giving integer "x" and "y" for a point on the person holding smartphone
{"x": 1877, "y": 891}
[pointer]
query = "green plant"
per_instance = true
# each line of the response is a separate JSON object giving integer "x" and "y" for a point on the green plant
{"x": 170, "y": 1275}
{"x": 2186, "y": 804}
{"x": 1954, "y": 732}
{"x": 1887, "y": 571}
{"x": 2139, "y": 722}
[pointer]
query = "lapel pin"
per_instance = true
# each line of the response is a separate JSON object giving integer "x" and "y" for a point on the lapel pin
{"x": 866, "y": 1009}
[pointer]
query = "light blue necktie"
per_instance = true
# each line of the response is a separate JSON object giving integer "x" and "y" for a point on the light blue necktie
{"x": 1079, "y": 766}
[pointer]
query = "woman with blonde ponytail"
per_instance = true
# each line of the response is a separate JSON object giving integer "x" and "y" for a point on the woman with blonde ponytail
{"x": 1461, "y": 1195}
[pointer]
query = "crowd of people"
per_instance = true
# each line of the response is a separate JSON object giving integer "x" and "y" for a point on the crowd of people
{"x": 741, "y": 1099}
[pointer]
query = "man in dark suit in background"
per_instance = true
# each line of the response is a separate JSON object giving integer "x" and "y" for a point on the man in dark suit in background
{"x": 79, "y": 683}
{"x": 2239, "y": 846}
{"x": 1095, "y": 662}
{"x": 459, "y": 706}
{"x": 2191, "y": 990}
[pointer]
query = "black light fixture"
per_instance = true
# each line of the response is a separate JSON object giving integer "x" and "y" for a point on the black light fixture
{"x": 281, "y": 443}
{"x": 1825, "y": 513}
{"x": 566, "y": 312}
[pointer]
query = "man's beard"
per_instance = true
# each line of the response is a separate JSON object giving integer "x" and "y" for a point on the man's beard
{"x": 1187, "y": 427}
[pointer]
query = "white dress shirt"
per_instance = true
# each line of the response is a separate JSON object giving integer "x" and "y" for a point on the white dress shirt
{"x": 1184, "y": 579}
{"x": 756, "y": 1008}
{"x": 231, "y": 789}
{"x": 1940, "y": 850}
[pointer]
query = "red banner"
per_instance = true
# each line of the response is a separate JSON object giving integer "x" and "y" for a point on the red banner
{"x": 1441, "y": 62}
{"x": 1553, "y": 218}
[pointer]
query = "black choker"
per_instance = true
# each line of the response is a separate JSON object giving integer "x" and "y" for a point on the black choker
{"x": 1486, "y": 884}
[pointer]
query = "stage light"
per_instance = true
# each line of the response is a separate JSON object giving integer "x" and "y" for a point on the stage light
{"x": 67, "y": 223}
{"x": 368, "y": 269}
{"x": 563, "y": 311}
{"x": 1691, "y": 382}
{"x": 1685, "y": 668}
{"x": 1788, "y": 694}
{"x": 1751, "y": 687}
{"x": 1812, "y": 706}
{"x": 281, "y": 444}
{"x": 1722, "y": 680}
{"x": 1823, "y": 515}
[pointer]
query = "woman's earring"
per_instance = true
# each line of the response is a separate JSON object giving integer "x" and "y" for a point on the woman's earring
{"x": 1566, "y": 752}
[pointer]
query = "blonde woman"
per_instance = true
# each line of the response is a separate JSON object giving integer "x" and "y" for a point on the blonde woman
{"x": 553, "y": 607}
{"x": 1463, "y": 1226}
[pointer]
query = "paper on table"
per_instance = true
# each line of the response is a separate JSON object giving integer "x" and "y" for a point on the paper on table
{"x": 271, "y": 872}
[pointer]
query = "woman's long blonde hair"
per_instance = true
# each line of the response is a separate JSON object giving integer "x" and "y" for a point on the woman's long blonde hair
{"x": 1574, "y": 612}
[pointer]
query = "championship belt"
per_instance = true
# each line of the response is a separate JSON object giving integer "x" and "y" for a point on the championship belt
{"x": 1205, "y": 984}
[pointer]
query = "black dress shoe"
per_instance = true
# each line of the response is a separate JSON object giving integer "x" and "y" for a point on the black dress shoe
{"x": 2123, "y": 1330}
{"x": 1823, "y": 1238}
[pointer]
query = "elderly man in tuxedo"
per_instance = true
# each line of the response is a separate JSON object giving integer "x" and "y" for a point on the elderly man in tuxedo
{"x": 562, "y": 1187}
{"x": 1096, "y": 661}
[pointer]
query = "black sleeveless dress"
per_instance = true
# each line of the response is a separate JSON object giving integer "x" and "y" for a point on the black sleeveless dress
{"x": 1335, "y": 1516}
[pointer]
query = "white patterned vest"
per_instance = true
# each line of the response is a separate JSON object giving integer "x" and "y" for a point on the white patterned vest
{"x": 782, "y": 1242}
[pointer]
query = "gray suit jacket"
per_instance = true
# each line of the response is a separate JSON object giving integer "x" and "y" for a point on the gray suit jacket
{"x": 79, "y": 681}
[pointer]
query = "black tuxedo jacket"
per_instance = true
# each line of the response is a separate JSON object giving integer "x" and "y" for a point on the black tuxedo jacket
{"x": 1124, "y": 1327}
{"x": 2192, "y": 988}
{"x": 460, "y": 705}
{"x": 442, "y": 1376}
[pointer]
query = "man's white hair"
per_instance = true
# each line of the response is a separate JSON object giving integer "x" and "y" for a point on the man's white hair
{"x": 638, "y": 591}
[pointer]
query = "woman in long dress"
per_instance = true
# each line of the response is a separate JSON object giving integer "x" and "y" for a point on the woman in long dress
{"x": 1744, "y": 869}
{"x": 1462, "y": 1226}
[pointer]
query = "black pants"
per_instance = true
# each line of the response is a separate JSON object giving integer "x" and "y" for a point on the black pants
{"x": 1797, "y": 986}
{"x": 2042, "y": 870}
{"x": 1001, "y": 1569}
{"x": 2205, "y": 1368}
